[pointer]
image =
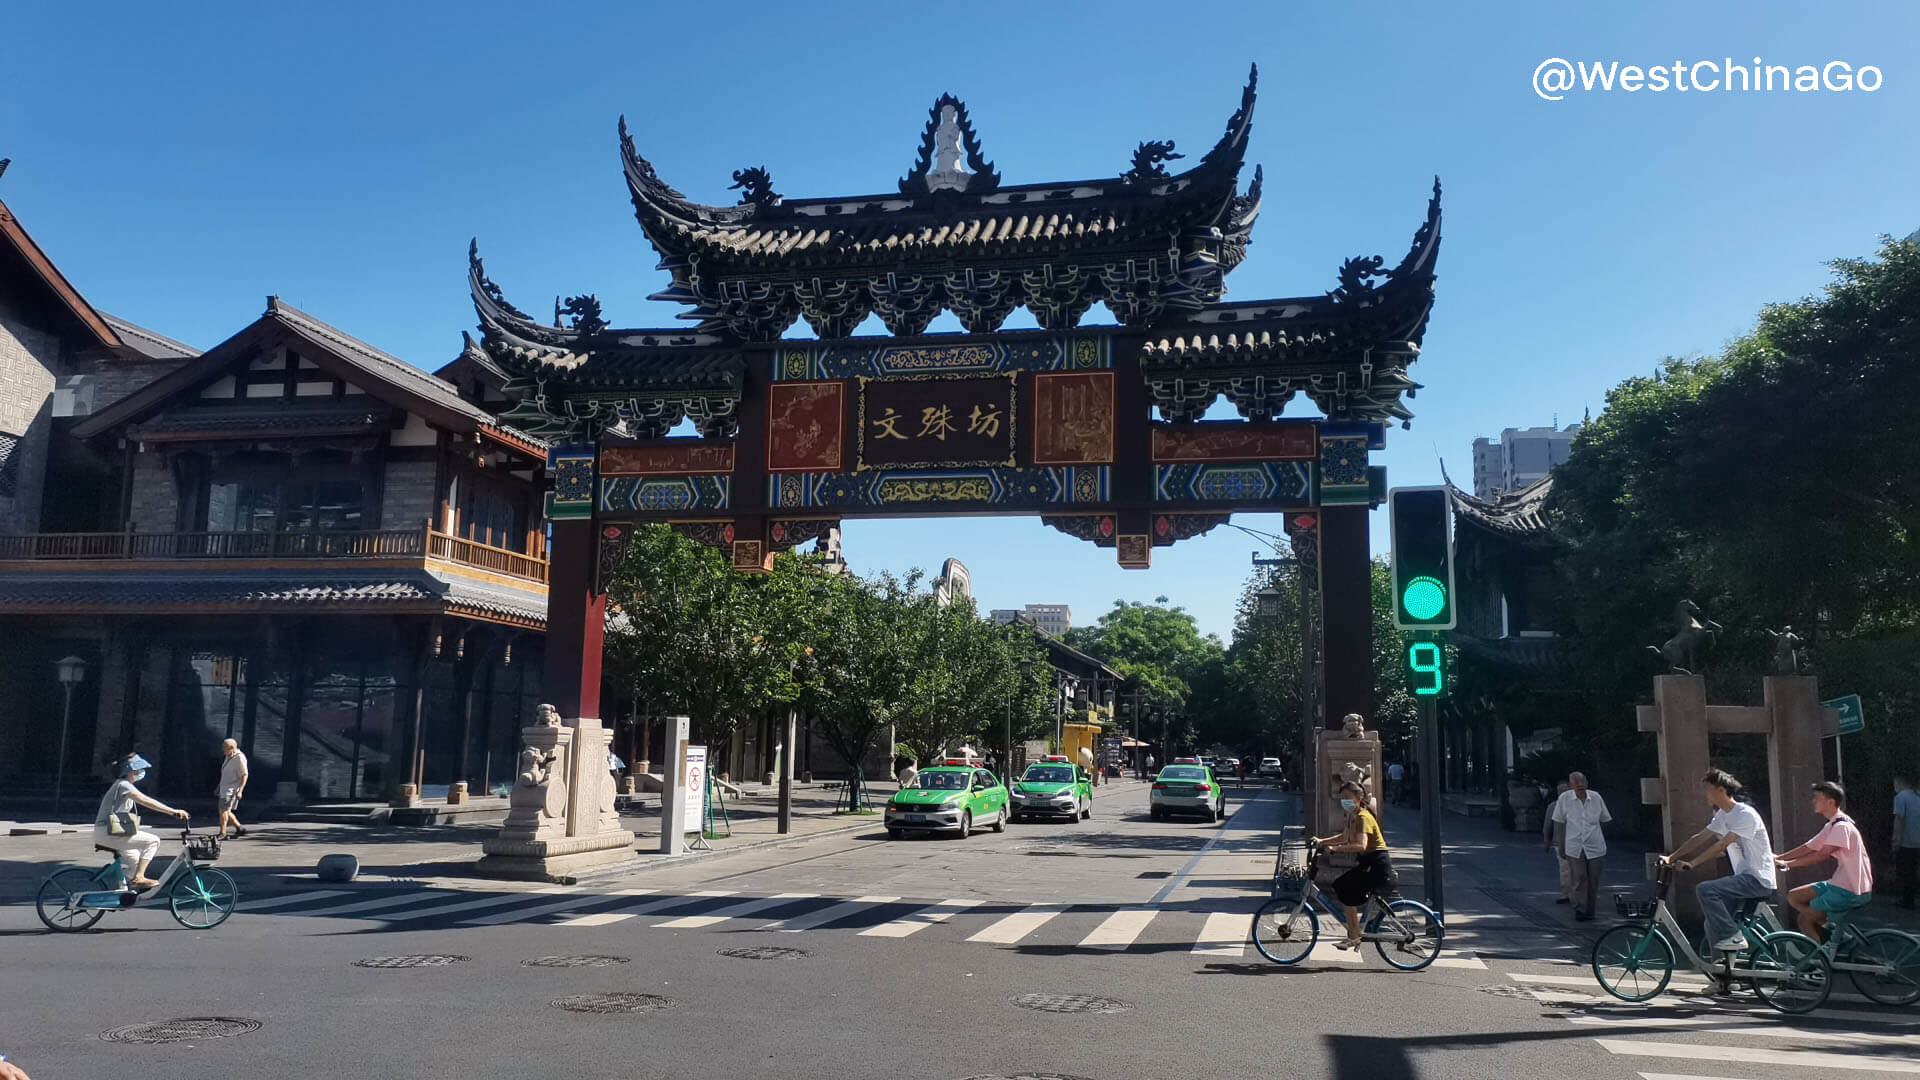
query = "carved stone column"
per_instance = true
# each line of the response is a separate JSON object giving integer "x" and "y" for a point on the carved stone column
{"x": 560, "y": 819}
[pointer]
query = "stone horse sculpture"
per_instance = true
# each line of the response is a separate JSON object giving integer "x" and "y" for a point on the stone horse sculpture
{"x": 1693, "y": 636}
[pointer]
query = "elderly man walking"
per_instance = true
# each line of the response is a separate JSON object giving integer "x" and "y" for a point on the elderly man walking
{"x": 233, "y": 784}
{"x": 1581, "y": 812}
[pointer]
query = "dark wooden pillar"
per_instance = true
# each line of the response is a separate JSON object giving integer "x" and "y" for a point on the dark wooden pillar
{"x": 292, "y": 642}
{"x": 576, "y": 621}
{"x": 1346, "y": 581}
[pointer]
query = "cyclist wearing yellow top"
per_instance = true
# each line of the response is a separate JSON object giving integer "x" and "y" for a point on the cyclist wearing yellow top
{"x": 1373, "y": 873}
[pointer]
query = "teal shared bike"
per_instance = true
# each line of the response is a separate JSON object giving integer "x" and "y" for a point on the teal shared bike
{"x": 200, "y": 895}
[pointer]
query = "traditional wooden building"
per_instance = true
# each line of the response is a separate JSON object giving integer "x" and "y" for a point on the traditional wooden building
{"x": 292, "y": 539}
{"x": 1512, "y": 668}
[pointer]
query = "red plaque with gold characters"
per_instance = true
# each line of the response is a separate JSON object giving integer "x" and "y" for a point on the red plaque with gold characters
{"x": 806, "y": 426}
{"x": 1073, "y": 415}
{"x": 684, "y": 459}
{"x": 1233, "y": 440}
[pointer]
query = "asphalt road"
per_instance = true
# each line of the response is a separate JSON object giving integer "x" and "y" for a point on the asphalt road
{"x": 911, "y": 954}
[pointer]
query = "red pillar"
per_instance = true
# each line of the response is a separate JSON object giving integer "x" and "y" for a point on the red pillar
{"x": 1346, "y": 622}
{"x": 576, "y": 622}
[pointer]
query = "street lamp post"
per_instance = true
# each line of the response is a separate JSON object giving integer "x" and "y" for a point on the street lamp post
{"x": 1026, "y": 672}
{"x": 70, "y": 670}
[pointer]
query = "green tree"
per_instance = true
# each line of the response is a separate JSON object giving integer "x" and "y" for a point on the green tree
{"x": 1157, "y": 647}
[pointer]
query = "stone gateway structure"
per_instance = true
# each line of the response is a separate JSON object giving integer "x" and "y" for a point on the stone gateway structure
{"x": 1101, "y": 431}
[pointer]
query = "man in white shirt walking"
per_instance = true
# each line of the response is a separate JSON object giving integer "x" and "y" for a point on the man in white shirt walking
{"x": 233, "y": 784}
{"x": 1580, "y": 813}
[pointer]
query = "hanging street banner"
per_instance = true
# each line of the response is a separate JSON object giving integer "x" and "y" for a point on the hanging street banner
{"x": 1853, "y": 718}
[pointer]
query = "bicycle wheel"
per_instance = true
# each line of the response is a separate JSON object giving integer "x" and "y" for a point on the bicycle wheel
{"x": 1284, "y": 930}
{"x": 1414, "y": 934}
{"x": 203, "y": 897}
{"x": 1898, "y": 982}
{"x": 1633, "y": 962}
{"x": 50, "y": 903}
{"x": 1807, "y": 973}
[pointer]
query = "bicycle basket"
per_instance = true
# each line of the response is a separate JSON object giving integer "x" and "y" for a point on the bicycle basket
{"x": 1635, "y": 907}
{"x": 203, "y": 848}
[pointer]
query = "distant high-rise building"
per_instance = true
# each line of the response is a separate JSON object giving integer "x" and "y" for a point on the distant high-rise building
{"x": 1053, "y": 619}
{"x": 1522, "y": 456}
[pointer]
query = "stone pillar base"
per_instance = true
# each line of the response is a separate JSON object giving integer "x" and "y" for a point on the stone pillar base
{"x": 1335, "y": 752}
{"x": 287, "y": 795}
{"x": 627, "y": 784}
{"x": 409, "y": 796}
{"x": 457, "y": 793}
{"x": 560, "y": 861}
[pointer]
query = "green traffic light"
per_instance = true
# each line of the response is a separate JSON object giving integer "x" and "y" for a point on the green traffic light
{"x": 1424, "y": 598}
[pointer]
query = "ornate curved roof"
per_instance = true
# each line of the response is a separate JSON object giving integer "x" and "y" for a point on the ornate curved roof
{"x": 943, "y": 214}
{"x": 1519, "y": 514}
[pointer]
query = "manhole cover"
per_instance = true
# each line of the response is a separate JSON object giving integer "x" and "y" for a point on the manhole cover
{"x": 1156, "y": 873}
{"x": 764, "y": 952}
{"x": 188, "y": 1029}
{"x": 612, "y": 1003}
{"x": 1503, "y": 990}
{"x": 410, "y": 961}
{"x": 1028, "y": 1076}
{"x": 1070, "y": 1003}
{"x": 573, "y": 961}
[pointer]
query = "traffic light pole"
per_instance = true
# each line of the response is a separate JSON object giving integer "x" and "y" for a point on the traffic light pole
{"x": 1430, "y": 801}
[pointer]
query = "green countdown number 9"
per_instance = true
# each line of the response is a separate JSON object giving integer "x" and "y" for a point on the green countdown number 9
{"x": 1424, "y": 658}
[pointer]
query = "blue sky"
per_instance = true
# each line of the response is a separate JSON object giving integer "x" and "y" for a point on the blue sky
{"x": 180, "y": 163}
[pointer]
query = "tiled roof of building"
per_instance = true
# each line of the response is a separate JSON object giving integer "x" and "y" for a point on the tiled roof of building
{"x": 147, "y": 343}
{"x": 1517, "y": 514}
{"x": 316, "y": 591}
{"x": 318, "y": 417}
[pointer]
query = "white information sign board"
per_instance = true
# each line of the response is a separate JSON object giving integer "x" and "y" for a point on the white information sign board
{"x": 696, "y": 790}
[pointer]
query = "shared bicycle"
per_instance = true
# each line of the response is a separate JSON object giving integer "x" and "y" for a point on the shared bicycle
{"x": 1406, "y": 933}
{"x": 1635, "y": 960}
{"x": 1883, "y": 963}
{"x": 200, "y": 895}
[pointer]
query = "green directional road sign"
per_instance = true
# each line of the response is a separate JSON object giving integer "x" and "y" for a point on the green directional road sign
{"x": 1853, "y": 719}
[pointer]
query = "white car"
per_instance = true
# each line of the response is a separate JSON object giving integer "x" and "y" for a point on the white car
{"x": 1270, "y": 766}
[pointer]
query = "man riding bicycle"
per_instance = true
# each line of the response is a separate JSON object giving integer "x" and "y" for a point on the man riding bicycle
{"x": 1736, "y": 829}
{"x": 1852, "y": 883}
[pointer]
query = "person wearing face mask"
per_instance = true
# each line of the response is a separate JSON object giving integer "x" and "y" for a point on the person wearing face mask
{"x": 117, "y": 828}
{"x": 1373, "y": 873}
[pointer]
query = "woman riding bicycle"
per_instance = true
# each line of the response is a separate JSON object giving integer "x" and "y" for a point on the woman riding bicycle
{"x": 117, "y": 828}
{"x": 1373, "y": 873}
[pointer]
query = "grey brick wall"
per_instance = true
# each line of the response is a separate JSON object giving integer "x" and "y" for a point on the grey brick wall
{"x": 156, "y": 497}
{"x": 408, "y": 499}
{"x": 29, "y": 357}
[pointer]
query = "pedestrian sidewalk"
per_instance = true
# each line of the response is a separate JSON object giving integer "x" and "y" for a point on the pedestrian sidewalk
{"x": 279, "y": 856}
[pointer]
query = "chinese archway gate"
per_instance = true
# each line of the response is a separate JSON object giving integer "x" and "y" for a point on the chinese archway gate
{"x": 1097, "y": 430}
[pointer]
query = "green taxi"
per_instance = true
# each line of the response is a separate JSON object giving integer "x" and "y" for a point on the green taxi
{"x": 1053, "y": 787}
{"x": 1187, "y": 787}
{"x": 948, "y": 798}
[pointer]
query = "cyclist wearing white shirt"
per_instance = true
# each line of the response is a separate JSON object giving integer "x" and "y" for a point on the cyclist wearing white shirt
{"x": 1736, "y": 829}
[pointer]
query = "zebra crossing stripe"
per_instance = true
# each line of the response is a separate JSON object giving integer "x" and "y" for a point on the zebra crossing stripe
{"x": 1751, "y": 1055}
{"x": 462, "y": 905}
{"x": 1470, "y": 963}
{"x": 622, "y": 914}
{"x": 411, "y": 896}
{"x": 289, "y": 901}
{"x": 1223, "y": 934}
{"x": 1681, "y": 1076}
{"x": 827, "y": 914}
{"x": 1589, "y": 982}
{"x": 735, "y": 911}
{"x": 917, "y": 921}
{"x": 1119, "y": 929}
{"x": 1013, "y": 928}
{"x": 524, "y": 914}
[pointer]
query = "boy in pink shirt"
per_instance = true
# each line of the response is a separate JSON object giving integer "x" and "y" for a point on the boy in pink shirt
{"x": 1852, "y": 883}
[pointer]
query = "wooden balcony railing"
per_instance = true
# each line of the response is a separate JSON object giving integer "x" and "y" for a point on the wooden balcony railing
{"x": 421, "y": 543}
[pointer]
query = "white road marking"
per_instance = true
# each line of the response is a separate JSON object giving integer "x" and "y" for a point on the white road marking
{"x": 1324, "y": 951}
{"x": 1119, "y": 929}
{"x": 735, "y": 911}
{"x": 465, "y": 905}
{"x": 286, "y": 901}
{"x": 1470, "y": 963}
{"x": 913, "y": 923}
{"x": 1592, "y": 983}
{"x": 1013, "y": 928}
{"x": 571, "y": 902}
{"x": 827, "y": 914}
{"x": 1800, "y": 1059}
{"x": 1223, "y": 934}
{"x": 411, "y": 896}
{"x": 1682, "y": 1076}
{"x": 632, "y": 911}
